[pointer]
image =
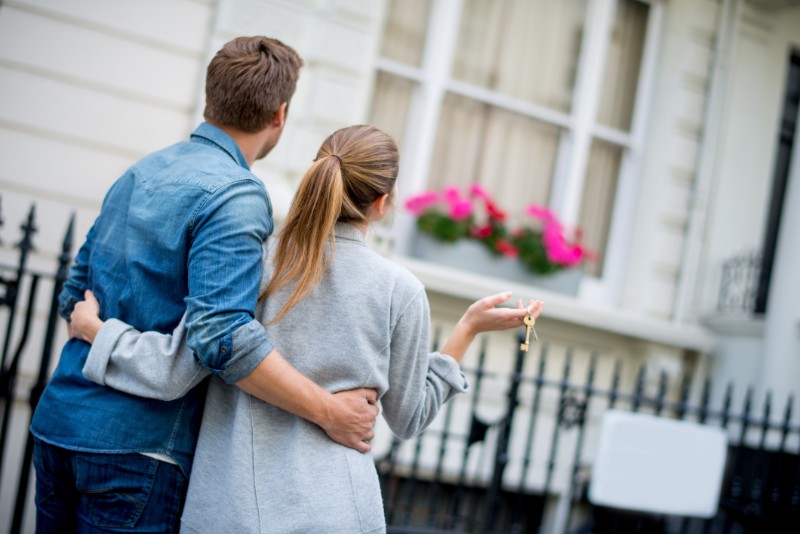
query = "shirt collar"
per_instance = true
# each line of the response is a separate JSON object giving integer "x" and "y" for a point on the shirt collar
{"x": 211, "y": 135}
{"x": 348, "y": 231}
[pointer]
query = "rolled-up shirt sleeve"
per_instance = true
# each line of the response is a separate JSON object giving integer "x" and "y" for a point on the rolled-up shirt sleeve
{"x": 224, "y": 265}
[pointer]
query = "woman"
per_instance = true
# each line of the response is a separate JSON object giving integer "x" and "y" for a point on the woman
{"x": 350, "y": 317}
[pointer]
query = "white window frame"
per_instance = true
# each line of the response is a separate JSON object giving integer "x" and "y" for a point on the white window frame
{"x": 579, "y": 124}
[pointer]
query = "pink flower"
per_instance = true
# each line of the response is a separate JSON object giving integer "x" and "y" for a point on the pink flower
{"x": 543, "y": 214}
{"x": 460, "y": 209}
{"x": 418, "y": 204}
{"x": 478, "y": 191}
{"x": 557, "y": 248}
{"x": 451, "y": 194}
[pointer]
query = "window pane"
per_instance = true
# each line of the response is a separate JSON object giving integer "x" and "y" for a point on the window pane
{"x": 597, "y": 204}
{"x": 404, "y": 32}
{"x": 622, "y": 64}
{"x": 527, "y": 49}
{"x": 390, "y": 105}
{"x": 510, "y": 155}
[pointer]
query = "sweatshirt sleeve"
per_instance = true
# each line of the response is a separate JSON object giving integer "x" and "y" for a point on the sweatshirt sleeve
{"x": 146, "y": 364}
{"x": 420, "y": 382}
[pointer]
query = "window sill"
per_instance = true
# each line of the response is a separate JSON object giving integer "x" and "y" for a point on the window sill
{"x": 735, "y": 324}
{"x": 470, "y": 287}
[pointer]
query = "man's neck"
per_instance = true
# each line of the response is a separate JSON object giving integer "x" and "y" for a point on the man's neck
{"x": 251, "y": 144}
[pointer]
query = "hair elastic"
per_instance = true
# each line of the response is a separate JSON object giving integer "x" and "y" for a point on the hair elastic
{"x": 337, "y": 157}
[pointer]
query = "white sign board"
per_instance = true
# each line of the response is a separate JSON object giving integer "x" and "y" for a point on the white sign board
{"x": 658, "y": 465}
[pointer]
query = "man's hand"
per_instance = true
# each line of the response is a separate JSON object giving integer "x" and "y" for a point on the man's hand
{"x": 347, "y": 417}
{"x": 352, "y": 415}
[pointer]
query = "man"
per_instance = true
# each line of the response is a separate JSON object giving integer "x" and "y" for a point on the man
{"x": 181, "y": 231}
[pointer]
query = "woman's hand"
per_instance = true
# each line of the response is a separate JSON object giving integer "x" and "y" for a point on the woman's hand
{"x": 85, "y": 318}
{"x": 484, "y": 316}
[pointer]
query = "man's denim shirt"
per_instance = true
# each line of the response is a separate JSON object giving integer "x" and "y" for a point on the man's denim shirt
{"x": 181, "y": 231}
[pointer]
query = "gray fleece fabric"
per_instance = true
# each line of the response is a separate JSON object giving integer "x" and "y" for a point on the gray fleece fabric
{"x": 260, "y": 469}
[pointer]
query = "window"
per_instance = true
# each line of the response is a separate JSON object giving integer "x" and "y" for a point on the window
{"x": 533, "y": 99}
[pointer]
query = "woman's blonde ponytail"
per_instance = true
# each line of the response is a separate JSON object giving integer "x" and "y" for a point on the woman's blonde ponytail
{"x": 354, "y": 167}
{"x": 301, "y": 254}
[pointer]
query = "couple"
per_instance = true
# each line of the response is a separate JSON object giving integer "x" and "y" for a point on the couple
{"x": 178, "y": 246}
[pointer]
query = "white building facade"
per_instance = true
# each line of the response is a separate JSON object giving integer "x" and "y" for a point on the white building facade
{"x": 662, "y": 128}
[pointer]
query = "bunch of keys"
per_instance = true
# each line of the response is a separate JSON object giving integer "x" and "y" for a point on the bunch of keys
{"x": 529, "y": 322}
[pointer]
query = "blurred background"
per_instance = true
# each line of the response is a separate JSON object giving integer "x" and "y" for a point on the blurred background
{"x": 664, "y": 130}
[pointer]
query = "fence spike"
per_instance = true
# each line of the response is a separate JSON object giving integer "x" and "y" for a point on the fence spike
{"x": 28, "y": 229}
{"x": 705, "y": 398}
{"x": 66, "y": 244}
{"x": 748, "y": 405}
{"x": 638, "y": 391}
{"x": 765, "y": 418}
{"x": 684, "y": 395}
{"x": 615, "y": 377}
{"x": 592, "y": 368}
{"x": 787, "y": 419}
{"x": 662, "y": 391}
{"x": 726, "y": 405}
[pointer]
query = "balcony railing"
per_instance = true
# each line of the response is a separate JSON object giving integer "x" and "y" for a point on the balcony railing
{"x": 739, "y": 284}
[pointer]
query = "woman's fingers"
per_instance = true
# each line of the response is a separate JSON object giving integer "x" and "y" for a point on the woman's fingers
{"x": 535, "y": 308}
{"x": 494, "y": 300}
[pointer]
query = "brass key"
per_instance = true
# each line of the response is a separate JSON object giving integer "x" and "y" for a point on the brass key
{"x": 529, "y": 322}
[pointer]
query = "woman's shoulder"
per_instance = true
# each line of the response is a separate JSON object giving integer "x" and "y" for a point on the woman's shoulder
{"x": 391, "y": 272}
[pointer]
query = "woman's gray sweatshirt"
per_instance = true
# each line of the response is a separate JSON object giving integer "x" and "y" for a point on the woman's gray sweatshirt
{"x": 260, "y": 469}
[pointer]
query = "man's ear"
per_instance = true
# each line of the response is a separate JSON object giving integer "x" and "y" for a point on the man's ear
{"x": 279, "y": 119}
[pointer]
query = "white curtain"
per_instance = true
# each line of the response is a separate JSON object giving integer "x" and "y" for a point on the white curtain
{"x": 527, "y": 49}
{"x": 404, "y": 30}
{"x": 390, "y": 105}
{"x": 510, "y": 155}
{"x": 622, "y": 64}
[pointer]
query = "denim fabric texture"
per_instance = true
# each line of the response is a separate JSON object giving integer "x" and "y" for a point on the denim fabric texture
{"x": 181, "y": 231}
{"x": 86, "y": 493}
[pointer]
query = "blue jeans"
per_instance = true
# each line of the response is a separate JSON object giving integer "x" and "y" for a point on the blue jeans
{"x": 89, "y": 493}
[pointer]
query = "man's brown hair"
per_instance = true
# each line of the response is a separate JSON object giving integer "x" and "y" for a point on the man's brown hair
{"x": 248, "y": 80}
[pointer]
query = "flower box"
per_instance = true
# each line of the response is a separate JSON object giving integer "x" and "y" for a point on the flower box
{"x": 472, "y": 256}
{"x": 469, "y": 231}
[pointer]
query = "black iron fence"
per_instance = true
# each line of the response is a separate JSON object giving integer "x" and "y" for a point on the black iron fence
{"x": 513, "y": 455}
{"x": 20, "y": 288}
{"x": 760, "y": 490}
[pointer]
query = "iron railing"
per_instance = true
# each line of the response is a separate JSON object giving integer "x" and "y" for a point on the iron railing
{"x": 19, "y": 316}
{"x": 761, "y": 487}
{"x": 740, "y": 284}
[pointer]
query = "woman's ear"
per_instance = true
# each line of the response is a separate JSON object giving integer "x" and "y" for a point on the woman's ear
{"x": 380, "y": 206}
